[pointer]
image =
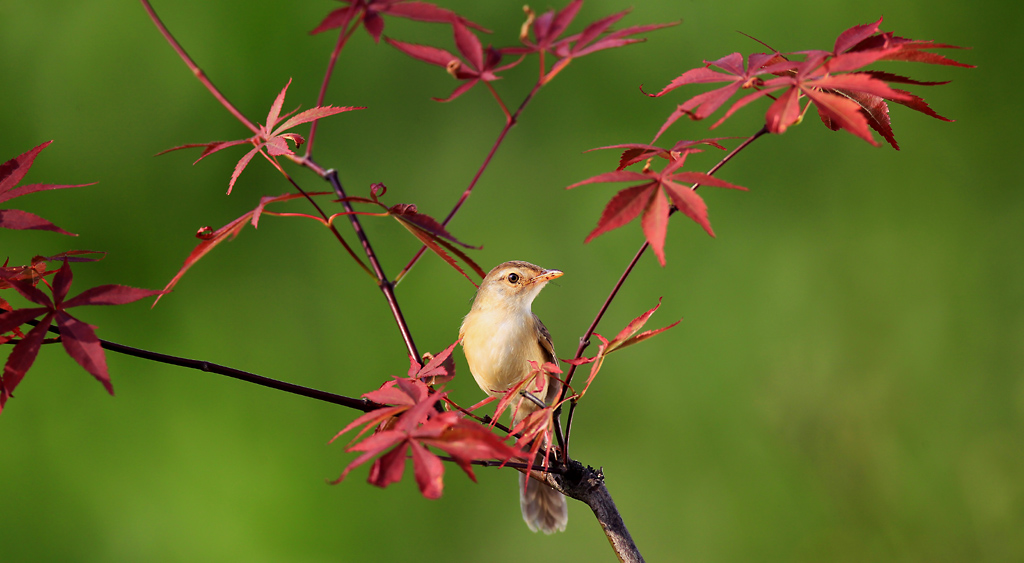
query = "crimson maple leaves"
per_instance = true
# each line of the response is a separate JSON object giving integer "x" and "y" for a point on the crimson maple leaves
{"x": 78, "y": 338}
{"x": 845, "y": 97}
{"x": 414, "y": 423}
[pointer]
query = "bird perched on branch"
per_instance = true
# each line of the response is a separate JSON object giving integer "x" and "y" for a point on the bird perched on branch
{"x": 500, "y": 337}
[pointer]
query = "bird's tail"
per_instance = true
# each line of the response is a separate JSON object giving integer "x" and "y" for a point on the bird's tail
{"x": 544, "y": 508}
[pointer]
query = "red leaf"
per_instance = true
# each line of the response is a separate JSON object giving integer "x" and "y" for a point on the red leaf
{"x": 466, "y": 441}
{"x": 21, "y": 358}
{"x": 370, "y": 419}
{"x": 655, "y": 224}
{"x": 621, "y": 209}
{"x": 227, "y": 232}
{"x": 628, "y": 203}
{"x": 851, "y": 37}
{"x": 17, "y": 219}
{"x": 429, "y": 471}
{"x": 425, "y": 53}
{"x": 389, "y": 467}
{"x": 271, "y": 136}
{"x": 468, "y": 45}
{"x": 843, "y": 112}
{"x": 313, "y": 114}
{"x": 11, "y": 320}
{"x": 111, "y": 295}
{"x": 439, "y": 369}
{"x": 784, "y": 111}
{"x": 12, "y": 172}
{"x": 390, "y": 394}
{"x": 83, "y": 346}
{"x": 373, "y": 22}
{"x": 240, "y": 166}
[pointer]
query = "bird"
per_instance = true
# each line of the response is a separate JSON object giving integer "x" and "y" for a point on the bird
{"x": 500, "y": 336}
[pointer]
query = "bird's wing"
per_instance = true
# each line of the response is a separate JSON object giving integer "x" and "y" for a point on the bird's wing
{"x": 545, "y": 340}
{"x": 554, "y": 386}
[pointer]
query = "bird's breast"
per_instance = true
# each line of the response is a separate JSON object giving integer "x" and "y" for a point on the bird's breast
{"x": 499, "y": 348}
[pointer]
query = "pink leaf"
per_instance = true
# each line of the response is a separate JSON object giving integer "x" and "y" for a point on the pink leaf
{"x": 83, "y": 346}
{"x": 429, "y": 471}
{"x": 622, "y": 209}
{"x": 17, "y": 219}
{"x": 110, "y": 295}
{"x": 655, "y": 223}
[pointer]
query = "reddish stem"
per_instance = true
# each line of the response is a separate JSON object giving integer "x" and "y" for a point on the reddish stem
{"x": 510, "y": 121}
{"x": 342, "y": 39}
{"x": 195, "y": 68}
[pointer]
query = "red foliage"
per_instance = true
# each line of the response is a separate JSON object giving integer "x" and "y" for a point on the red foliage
{"x": 369, "y": 14}
{"x": 211, "y": 238}
{"x": 11, "y": 172}
{"x": 844, "y": 99}
{"x": 649, "y": 198}
{"x": 79, "y": 338}
{"x": 479, "y": 65}
{"x": 414, "y": 423}
{"x": 597, "y": 36}
{"x": 626, "y": 337}
{"x": 271, "y": 140}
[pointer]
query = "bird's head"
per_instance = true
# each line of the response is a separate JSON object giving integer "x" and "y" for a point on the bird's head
{"x": 512, "y": 285}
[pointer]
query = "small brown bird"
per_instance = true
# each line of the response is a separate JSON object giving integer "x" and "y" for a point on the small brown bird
{"x": 500, "y": 336}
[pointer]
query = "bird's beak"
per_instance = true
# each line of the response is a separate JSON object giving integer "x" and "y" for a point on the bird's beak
{"x": 546, "y": 275}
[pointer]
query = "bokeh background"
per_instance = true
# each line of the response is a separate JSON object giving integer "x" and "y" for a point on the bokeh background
{"x": 846, "y": 384}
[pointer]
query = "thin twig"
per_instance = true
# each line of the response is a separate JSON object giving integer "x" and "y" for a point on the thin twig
{"x": 510, "y": 122}
{"x": 585, "y": 339}
{"x": 327, "y": 221}
{"x": 342, "y": 39}
{"x": 196, "y": 70}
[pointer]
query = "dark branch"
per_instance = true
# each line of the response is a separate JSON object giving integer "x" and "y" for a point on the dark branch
{"x": 209, "y": 367}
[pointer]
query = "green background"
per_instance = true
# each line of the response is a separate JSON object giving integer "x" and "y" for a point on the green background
{"x": 846, "y": 384}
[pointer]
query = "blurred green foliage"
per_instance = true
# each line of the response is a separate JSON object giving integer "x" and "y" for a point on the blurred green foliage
{"x": 846, "y": 385}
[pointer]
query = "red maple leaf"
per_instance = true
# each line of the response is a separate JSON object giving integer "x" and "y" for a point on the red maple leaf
{"x": 626, "y": 337}
{"x": 633, "y": 153}
{"x": 651, "y": 197}
{"x": 844, "y": 99}
{"x": 413, "y": 424}
{"x": 738, "y": 76}
{"x": 370, "y": 12}
{"x": 211, "y": 238}
{"x": 271, "y": 140}
{"x": 36, "y": 272}
{"x": 79, "y": 338}
{"x": 422, "y": 226}
{"x": 479, "y": 64}
{"x": 435, "y": 370}
{"x": 549, "y": 26}
{"x": 863, "y": 44}
{"x": 11, "y": 172}
{"x": 533, "y": 384}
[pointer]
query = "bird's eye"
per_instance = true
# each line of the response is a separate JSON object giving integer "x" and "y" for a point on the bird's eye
{"x": 513, "y": 278}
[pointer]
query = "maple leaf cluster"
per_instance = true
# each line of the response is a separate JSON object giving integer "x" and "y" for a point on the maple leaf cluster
{"x": 413, "y": 423}
{"x": 540, "y": 35}
{"x": 845, "y": 97}
{"x": 78, "y": 338}
{"x": 271, "y": 140}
